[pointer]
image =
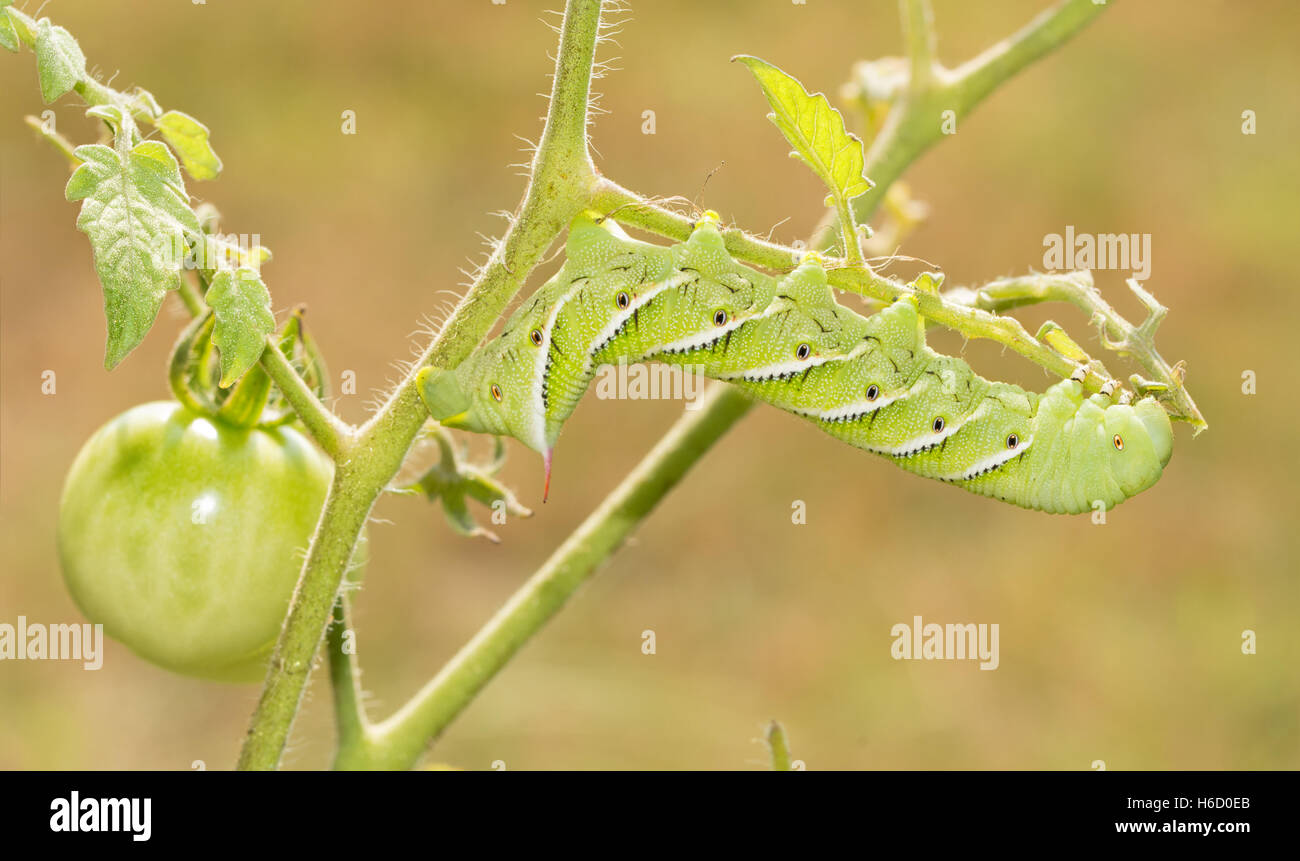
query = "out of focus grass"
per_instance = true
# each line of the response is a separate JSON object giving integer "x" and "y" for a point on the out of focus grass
{"x": 1118, "y": 642}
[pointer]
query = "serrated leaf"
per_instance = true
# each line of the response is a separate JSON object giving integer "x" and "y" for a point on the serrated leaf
{"x": 59, "y": 60}
{"x": 815, "y": 130}
{"x": 137, "y": 216}
{"x": 189, "y": 138}
{"x": 242, "y": 307}
{"x": 8, "y": 35}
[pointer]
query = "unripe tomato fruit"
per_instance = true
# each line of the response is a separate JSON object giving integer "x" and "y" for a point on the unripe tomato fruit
{"x": 184, "y": 536}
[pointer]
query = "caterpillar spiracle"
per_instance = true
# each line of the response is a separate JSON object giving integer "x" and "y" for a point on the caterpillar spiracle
{"x": 869, "y": 381}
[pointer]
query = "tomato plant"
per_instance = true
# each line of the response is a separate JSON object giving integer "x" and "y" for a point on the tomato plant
{"x": 184, "y": 534}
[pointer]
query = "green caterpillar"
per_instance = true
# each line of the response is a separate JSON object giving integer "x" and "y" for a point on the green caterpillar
{"x": 870, "y": 381}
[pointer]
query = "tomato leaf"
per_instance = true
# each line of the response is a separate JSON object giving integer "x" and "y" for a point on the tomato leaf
{"x": 59, "y": 60}
{"x": 189, "y": 138}
{"x": 815, "y": 130}
{"x": 138, "y": 218}
{"x": 242, "y": 307}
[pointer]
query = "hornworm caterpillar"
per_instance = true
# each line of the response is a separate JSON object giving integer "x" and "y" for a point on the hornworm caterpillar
{"x": 870, "y": 381}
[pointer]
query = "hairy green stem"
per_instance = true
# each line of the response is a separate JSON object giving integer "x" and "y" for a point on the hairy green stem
{"x": 399, "y": 741}
{"x": 919, "y": 39}
{"x": 346, "y": 508}
{"x": 330, "y": 432}
{"x": 559, "y": 187}
{"x": 349, "y": 714}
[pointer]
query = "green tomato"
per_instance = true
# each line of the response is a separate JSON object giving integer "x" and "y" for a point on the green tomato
{"x": 184, "y": 536}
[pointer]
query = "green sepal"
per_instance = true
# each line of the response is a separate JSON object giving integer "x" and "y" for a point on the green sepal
{"x": 246, "y": 403}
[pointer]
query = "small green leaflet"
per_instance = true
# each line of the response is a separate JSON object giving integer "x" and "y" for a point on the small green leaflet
{"x": 59, "y": 60}
{"x": 143, "y": 100}
{"x": 8, "y": 36}
{"x": 242, "y": 307}
{"x": 815, "y": 130}
{"x": 189, "y": 138}
{"x": 137, "y": 216}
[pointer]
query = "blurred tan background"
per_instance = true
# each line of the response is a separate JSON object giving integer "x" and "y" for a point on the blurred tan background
{"x": 1118, "y": 642}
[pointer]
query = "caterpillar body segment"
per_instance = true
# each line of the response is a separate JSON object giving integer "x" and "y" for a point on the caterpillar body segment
{"x": 869, "y": 381}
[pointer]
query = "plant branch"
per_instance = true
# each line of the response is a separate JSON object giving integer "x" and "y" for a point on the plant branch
{"x": 399, "y": 741}
{"x": 330, "y": 432}
{"x": 918, "y": 36}
{"x": 347, "y": 505}
{"x": 970, "y": 82}
{"x": 559, "y": 187}
{"x": 64, "y": 146}
{"x": 349, "y": 714}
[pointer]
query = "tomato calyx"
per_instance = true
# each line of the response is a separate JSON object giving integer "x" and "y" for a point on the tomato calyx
{"x": 252, "y": 402}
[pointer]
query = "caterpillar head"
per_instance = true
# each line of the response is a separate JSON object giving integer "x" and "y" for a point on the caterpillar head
{"x": 1140, "y": 440}
{"x": 456, "y": 402}
{"x": 487, "y": 394}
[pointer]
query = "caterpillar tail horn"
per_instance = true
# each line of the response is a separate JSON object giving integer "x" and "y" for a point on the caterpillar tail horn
{"x": 546, "y": 487}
